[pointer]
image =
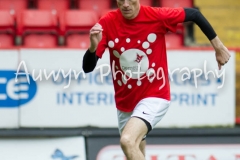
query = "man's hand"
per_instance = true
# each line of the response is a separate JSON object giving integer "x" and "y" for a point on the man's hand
{"x": 222, "y": 53}
{"x": 95, "y": 37}
{"x": 222, "y": 56}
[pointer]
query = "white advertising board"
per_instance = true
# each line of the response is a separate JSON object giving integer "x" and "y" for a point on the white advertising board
{"x": 200, "y": 100}
{"x": 43, "y": 149}
{"x": 177, "y": 152}
{"x": 9, "y": 89}
{"x": 206, "y": 100}
{"x": 86, "y": 101}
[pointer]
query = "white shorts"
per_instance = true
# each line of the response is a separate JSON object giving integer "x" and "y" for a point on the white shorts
{"x": 151, "y": 110}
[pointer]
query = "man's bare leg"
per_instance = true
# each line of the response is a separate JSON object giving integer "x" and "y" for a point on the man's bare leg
{"x": 131, "y": 138}
{"x": 142, "y": 147}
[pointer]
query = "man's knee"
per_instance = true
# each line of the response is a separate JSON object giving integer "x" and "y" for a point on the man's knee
{"x": 127, "y": 141}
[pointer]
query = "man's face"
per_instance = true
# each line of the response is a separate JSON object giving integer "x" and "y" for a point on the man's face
{"x": 129, "y": 8}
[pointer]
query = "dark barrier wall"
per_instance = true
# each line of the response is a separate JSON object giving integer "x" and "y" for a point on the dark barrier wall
{"x": 172, "y": 144}
{"x": 163, "y": 144}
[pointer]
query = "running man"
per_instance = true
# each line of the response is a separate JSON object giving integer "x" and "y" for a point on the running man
{"x": 134, "y": 35}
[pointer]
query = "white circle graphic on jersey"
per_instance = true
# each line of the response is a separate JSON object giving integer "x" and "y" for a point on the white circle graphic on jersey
{"x": 111, "y": 44}
{"x": 124, "y": 79}
{"x": 139, "y": 83}
{"x": 134, "y": 60}
{"x": 122, "y": 49}
{"x": 151, "y": 74}
{"x": 145, "y": 45}
{"x": 149, "y": 51}
{"x": 152, "y": 37}
{"x": 119, "y": 83}
{"x": 130, "y": 86}
{"x": 116, "y": 54}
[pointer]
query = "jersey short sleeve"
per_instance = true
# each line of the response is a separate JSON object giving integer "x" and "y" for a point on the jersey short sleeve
{"x": 103, "y": 43}
{"x": 171, "y": 17}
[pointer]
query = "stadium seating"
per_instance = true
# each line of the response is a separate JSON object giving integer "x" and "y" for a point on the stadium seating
{"x": 38, "y": 28}
{"x": 7, "y": 29}
{"x": 176, "y": 3}
{"x": 56, "y": 6}
{"x": 40, "y": 41}
{"x": 181, "y": 28}
{"x": 173, "y": 40}
{"x": 75, "y": 26}
{"x": 78, "y": 41}
{"x": 146, "y": 2}
{"x": 13, "y": 6}
{"x": 96, "y": 5}
{"x": 6, "y": 40}
{"x": 77, "y": 20}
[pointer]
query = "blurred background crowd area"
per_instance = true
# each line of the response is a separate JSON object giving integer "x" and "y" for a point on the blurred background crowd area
{"x": 202, "y": 123}
{"x": 66, "y": 23}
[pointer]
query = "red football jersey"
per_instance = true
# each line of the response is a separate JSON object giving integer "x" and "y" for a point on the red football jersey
{"x": 138, "y": 53}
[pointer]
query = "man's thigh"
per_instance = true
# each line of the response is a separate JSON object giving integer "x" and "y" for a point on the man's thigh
{"x": 123, "y": 118}
{"x": 148, "y": 110}
{"x": 151, "y": 110}
{"x": 135, "y": 130}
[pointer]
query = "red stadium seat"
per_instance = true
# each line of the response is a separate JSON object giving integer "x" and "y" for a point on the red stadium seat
{"x": 75, "y": 26}
{"x": 7, "y": 29}
{"x": 56, "y": 6}
{"x": 73, "y": 21}
{"x": 176, "y": 3}
{"x": 40, "y": 41}
{"x": 146, "y": 2}
{"x": 38, "y": 28}
{"x": 173, "y": 40}
{"x": 7, "y": 21}
{"x": 6, "y": 40}
{"x": 97, "y": 5}
{"x": 37, "y": 21}
{"x": 13, "y": 6}
{"x": 78, "y": 41}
